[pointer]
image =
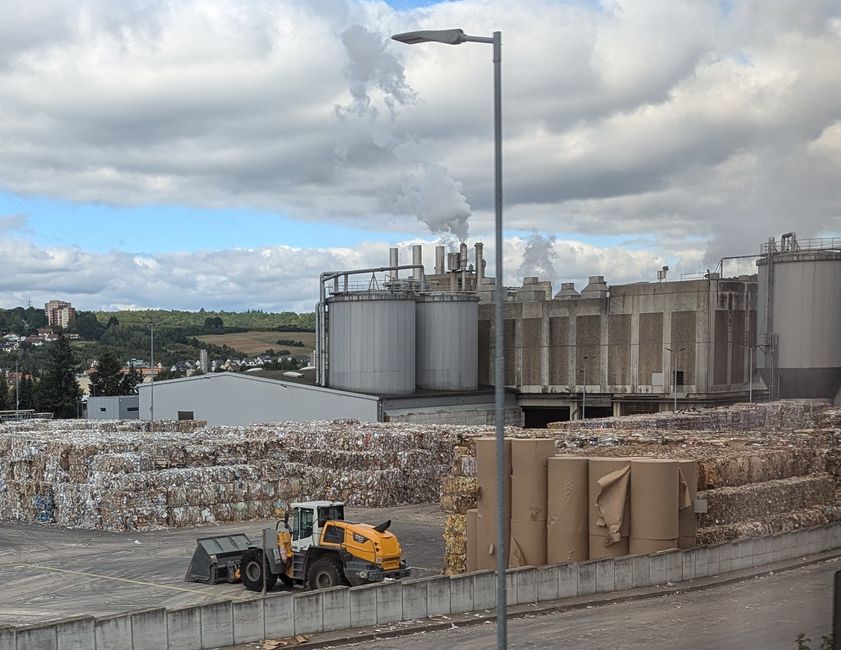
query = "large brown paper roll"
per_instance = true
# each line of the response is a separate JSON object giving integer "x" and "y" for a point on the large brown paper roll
{"x": 687, "y": 521}
{"x": 529, "y": 457}
{"x": 654, "y": 505}
{"x": 486, "y": 556}
{"x": 567, "y": 537}
{"x": 609, "y": 507}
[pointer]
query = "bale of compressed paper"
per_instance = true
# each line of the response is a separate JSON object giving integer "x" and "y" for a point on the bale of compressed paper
{"x": 455, "y": 544}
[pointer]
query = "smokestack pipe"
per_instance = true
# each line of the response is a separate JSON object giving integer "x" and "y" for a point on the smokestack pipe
{"x": 480, "y": 263}
{"x": 439, "y": 259}
{"x": 417, "y": 258}
{"x": 462, "y": 256}
{"x": 452, "y": 261}
{"x": 393, "y": 260}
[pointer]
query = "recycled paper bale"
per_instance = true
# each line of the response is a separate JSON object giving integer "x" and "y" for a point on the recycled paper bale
{"x": 567, "y": 512}
{"x": 529, "y": 458}
{"x": 609, "y": 507}
{"x": 687, "y": 520}
{"x": 655, "y": 491}
{"x": 470, "y": 541}
{"x": 487, "y": 512}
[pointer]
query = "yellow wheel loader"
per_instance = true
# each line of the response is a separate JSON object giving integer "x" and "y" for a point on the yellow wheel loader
{"x": 312, "y": 547}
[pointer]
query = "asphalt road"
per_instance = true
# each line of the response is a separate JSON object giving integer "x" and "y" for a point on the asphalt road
{"x": 49, "y": 573}
{"x": 767, "y": 612}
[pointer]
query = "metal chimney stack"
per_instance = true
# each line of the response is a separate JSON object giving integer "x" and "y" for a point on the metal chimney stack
{"x": 417, "y": 258}
{"x": 393, "y": 260}
{"x": 462, "y": 256}
{"x": 480, "y": 263}
{"x": 439, "y": 259}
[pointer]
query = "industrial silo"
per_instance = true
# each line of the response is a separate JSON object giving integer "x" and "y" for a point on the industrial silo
{"x": 371, "y": 343}
{"x": 447, "y": 341}
{"x": 799, "y": 312}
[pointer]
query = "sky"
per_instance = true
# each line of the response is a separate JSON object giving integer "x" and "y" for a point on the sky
{"x": 220, "y": 154}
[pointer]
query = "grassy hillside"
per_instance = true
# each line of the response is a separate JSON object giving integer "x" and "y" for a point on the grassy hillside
{"x": 252, "y": 320}
{"x": 251, "y": 343}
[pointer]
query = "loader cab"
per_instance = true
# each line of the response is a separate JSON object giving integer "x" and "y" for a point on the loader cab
{"x": 307, "y": 520}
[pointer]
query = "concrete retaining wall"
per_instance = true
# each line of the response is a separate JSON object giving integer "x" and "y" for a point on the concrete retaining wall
{"x": 285, "y": 614}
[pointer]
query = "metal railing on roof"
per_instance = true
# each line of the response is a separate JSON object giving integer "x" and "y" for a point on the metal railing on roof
{"x": 790, "y": 245}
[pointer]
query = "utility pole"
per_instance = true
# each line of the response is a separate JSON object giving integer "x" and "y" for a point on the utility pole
{"x": 152, "y": 379}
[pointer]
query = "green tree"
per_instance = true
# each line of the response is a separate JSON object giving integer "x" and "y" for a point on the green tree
{"x": 107, "y": 379}
{"x": 129, "y": 382}
{"x": 88, "y": 327}
{"x": 58, "y": 391}
{"x": 4, "y": 393}
{"x": 26, "y": 393}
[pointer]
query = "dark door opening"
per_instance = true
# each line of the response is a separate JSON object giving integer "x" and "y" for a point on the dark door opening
{"x": 537, "y": 417}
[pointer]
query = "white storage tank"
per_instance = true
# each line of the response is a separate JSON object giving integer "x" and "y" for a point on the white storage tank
{"x": 371, "y": 343}
{"x": 799, "y": 312}
{"x": 447, "y": 342}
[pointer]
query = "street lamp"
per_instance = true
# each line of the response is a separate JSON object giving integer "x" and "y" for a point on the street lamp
{"x": 152, "y": 378}
{"x": 675, "y": 361}
{"x": 456, "y": 37}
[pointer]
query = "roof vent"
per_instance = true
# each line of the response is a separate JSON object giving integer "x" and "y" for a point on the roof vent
{"x": 567, "y": 291}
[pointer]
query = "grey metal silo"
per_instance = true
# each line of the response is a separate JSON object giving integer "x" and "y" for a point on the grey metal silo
{"x": 371, "y": 344}
{"x": 798, "y": 319}
{"x": 447, "y": 342}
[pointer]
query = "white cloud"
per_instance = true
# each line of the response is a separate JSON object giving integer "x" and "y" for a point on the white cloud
{"x": 700, "y": 128}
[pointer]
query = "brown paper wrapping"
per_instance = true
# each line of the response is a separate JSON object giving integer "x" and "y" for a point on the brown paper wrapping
{"x": 486, "y": 557}
{"x": 687, "y": 521}
{"x": 654, "y": 505}
{"x": 609, "y": 507}
{"x": 472, "y": 524}
{"x": 529, "y": 458}
{"x": 567, "y": 537}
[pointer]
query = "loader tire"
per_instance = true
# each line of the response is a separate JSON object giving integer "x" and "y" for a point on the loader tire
{"x": 326, "y": 572}
{"x": 251, "y": 571}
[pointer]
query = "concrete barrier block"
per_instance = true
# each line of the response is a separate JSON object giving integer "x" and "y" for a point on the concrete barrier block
{"x": 605, "y": 575}
{"x": 7, "y": 637}
{"x": 146, "y": 629}
{"x": 390, "y": 602}
{"x": 510, "y": 589}
{"x": 761, "y": 551}
{"x": 725, "y": 557}
{"x": 742, "y": 554}
{"x": 249, "y": 624}
{"x": 657, "y": 568}
{"x": 75, "y": 633}
{"x": 641, "y": 570}
{"x": 278, "y": 616}
{"x": 701, "y": 561}
{"x": 415, "y": 593}
{"x": 587, "y": 578}
{"x": 547, "y": 583}
{"x": 687, "y": 559}
{"x": 217, "y": 625}
{"x": 113, "y": 632}
{"x": 484, "y": 590}
{"x": 306, "y": 608}
{"x": 825, "y": 538}
{"x": 461, "y": 593}
{"x": 183, "y": 628}
{"x": 438, "y": 596}
{"x": 623, "y": 569}
{"x": 674, "y": 566}
{"x": 836, "y": 536}
{"x": 37, "y": 637}
{"x": 363, "y": 606}
{"x": 567, "y": 580}
{"x": 777, "y": 547}
{"x": 525, "y": 585}
{"x": 714, "y": 559}
{"x": 335, "y": 609}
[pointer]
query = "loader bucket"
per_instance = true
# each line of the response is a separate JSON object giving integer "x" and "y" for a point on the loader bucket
{"x": 216, "y": 558}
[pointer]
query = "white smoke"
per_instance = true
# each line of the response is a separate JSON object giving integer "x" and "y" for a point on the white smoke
{"x": 538, "y": 258}
{"x": 427, "y": 189}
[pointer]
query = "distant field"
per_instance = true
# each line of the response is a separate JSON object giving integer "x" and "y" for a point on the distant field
{"x": 251, "y": 343}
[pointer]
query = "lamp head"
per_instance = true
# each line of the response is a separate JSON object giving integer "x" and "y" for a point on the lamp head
{"x": 446, "y": 36}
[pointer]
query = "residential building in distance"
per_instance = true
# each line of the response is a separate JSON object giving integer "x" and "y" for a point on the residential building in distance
{"x": 60, "y": 314}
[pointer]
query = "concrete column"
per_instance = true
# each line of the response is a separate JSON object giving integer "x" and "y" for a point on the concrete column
{"x": 605, "y": 348}
{"x": 544, "y": 345}
{"x": 635, "y": 349}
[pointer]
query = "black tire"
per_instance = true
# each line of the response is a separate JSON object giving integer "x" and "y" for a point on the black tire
{"x": 287, "y": 580}
{"x": 326, "y": 572}
{"x": 251, "y": 571}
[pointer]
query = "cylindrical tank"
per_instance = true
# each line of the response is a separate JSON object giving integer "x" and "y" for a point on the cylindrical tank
{"x": 799, "y": 353}
{"x": 371, "y": 344}
{"x": 447, "y": 342}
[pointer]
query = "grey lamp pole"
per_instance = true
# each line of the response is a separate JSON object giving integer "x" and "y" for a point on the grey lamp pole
{"x": 152, "y": 378}
{"x": 675, "y": 360}
{"x": 456, "y": 37}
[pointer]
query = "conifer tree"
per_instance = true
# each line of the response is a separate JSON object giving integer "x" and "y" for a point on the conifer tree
{"x": 58, "y": 391}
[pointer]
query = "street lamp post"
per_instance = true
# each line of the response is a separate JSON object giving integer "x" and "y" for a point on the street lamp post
{"x": 152, "y": 378}
{"x": 456, "y": 37}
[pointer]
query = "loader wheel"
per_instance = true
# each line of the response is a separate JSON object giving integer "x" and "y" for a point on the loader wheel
{"x": 285, "y": 579}
{"x": 326, "y": 572}
{"x": 251, "y": 571}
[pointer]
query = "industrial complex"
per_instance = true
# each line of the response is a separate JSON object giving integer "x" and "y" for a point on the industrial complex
{"x": 396, "y": 344}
